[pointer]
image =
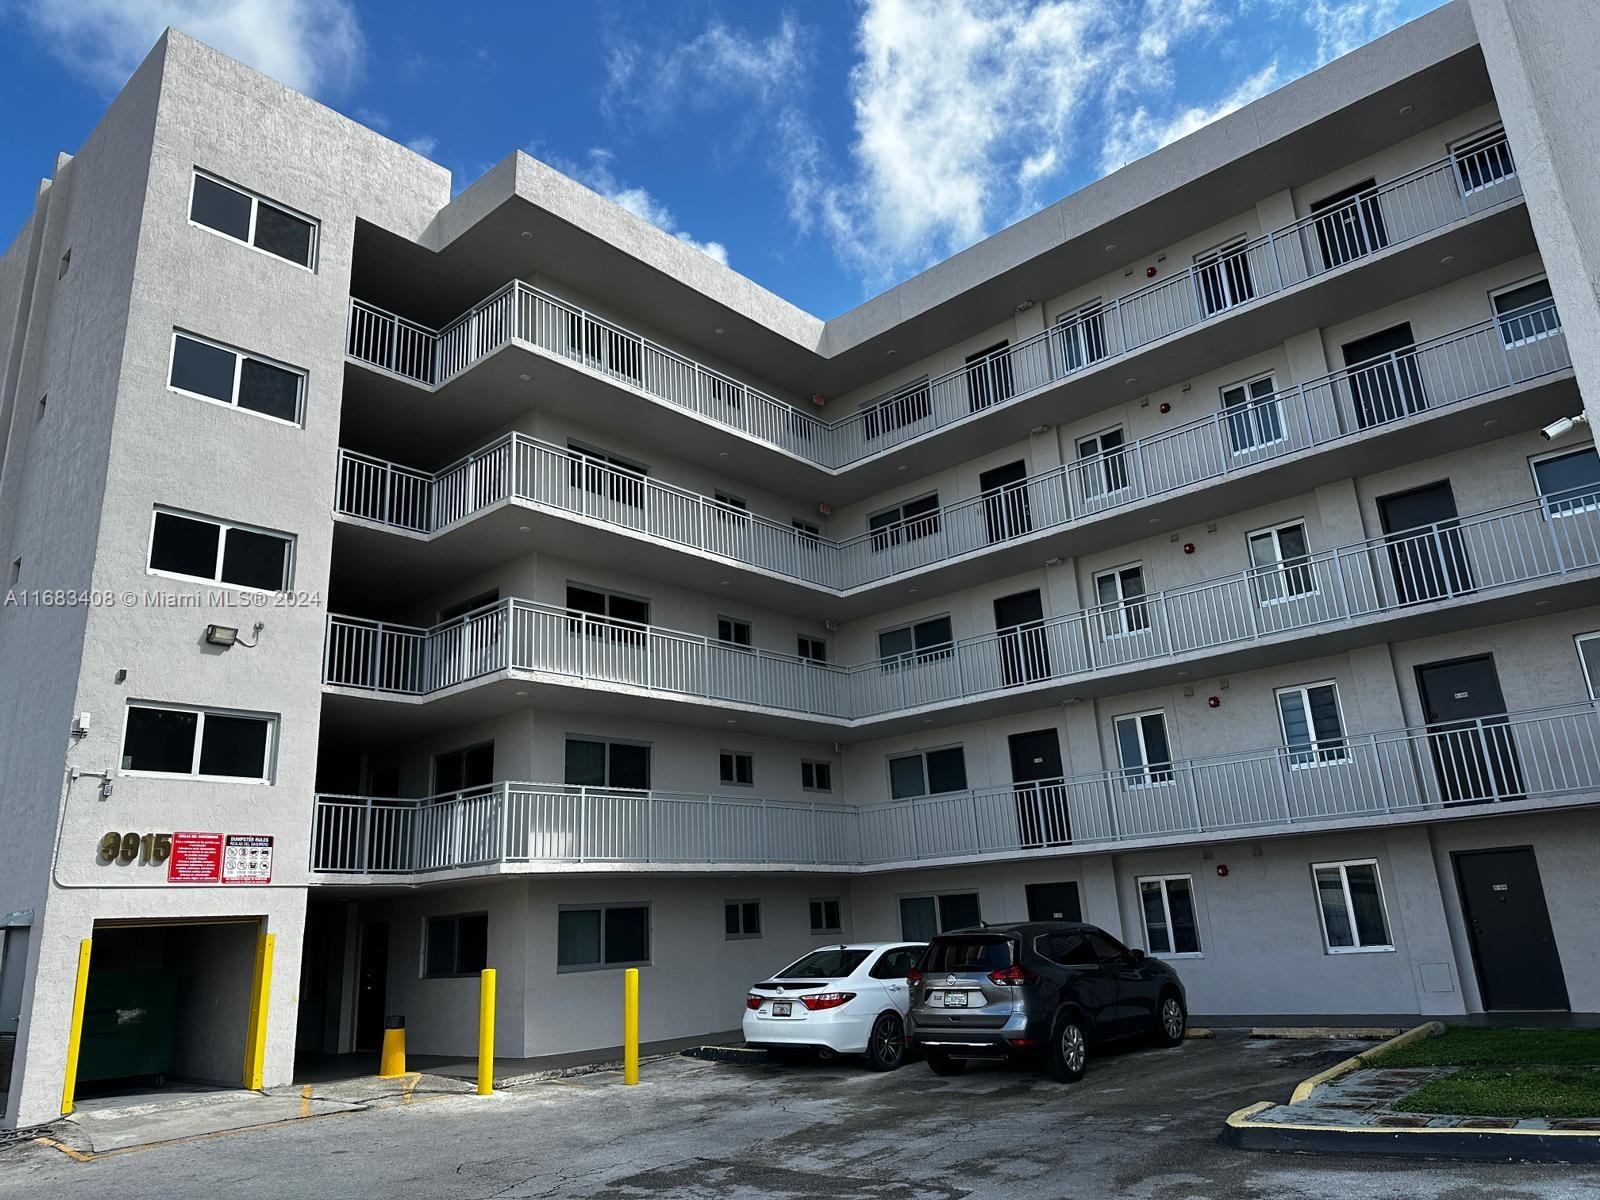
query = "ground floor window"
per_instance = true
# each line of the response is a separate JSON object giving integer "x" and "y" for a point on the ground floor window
{"x": 456, "y": 945}
{"x": 1169, "y": 921}
{"x": 923, "y": 916}
{"x": 610, "y": 935}
{"x": 1350, "y": 898}
{"x": 825, "y": 915}
{"x": 742, "y": 918}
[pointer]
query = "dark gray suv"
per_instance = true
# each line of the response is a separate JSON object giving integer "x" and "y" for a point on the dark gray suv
{"x": 1038, "y": 990}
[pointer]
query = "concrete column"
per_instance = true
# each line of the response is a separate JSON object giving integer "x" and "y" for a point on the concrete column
{"x": 1340, "y": 512}
{"x": 1373, "y": 699}
{"x": 1546, "y": 78}
{"x": 1099, "y": 899}
{"x": 1308, "y": 357}
{"x": 1417, "y": 922}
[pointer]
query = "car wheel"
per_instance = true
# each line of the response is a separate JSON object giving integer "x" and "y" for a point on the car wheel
{"x": 1069, "y": 1050}
{"x": 886, "y": 1046}
{"x": 1172, "y": 1021}
{"x": 941, "y": 1063}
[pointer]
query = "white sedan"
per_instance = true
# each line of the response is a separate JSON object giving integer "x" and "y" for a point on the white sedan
{"x": 836, "y": 1000}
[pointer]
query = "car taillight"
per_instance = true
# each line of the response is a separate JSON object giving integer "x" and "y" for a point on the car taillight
{"x": 913, "y": 977}
{"x": 820, "y": 1000}
{"x": 752, "y": 1001}
{"x": 1011, "y": 975}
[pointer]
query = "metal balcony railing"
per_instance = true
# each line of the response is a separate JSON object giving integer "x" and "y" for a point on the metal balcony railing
{"x": 1513, "y": 348}
{"x": 1544, "y": 754}
{"x": 1477, "y": 555}
{"x": 1241, "y": 273}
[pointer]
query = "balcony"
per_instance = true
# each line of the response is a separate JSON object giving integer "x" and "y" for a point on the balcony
{"x": 1392, "y": 214}
{"x": 1344, "y": 407}
{"x": 1525, "y": 760}
{"x": 1419, "y": 577}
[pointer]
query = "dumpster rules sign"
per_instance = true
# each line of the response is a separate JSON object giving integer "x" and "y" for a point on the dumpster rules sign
{"x": 195, "y": 858}
{"x": 247, "y": 858}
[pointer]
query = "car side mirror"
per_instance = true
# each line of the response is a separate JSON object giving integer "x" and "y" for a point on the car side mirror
{"x": 1136, "y": 955}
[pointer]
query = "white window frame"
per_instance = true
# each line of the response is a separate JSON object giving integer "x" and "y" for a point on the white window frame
{"x": 1253, "y": 407}
{"x": 897, "y": 533}
{"x": 1500, "y": 323}
{"x": 1217, "y": 259}
{"x": 609, "y": 741}
{"x": 239, "y": 356}
{"x": 1100, "y": 462}
{"x": 815, "y": 641}
{"x": 736, "y": 755}
{"x": 1320, "y": 757}
{"x": 744, "y": 935}
{"x": 1555, "y": 514}
{"x": 1069, "y": 327}
{"x": 1280, "y": 568}
{"x": 1342, "y": 866}
{"x": 1116, "y": 613}
{"x": 814, "y": 763}
{"x": 1166, "y": 915}
{"x": 1147, "y": 775}
{"x": 734, "y": 625}
{"x": 269, "y": 752}
{"x": 222, "y": 548}
{"x": 838, "y": 907}
{"x": 256, "y": 201}
{"x": 602, "y": 909}
{"x": 1593, "y": 681}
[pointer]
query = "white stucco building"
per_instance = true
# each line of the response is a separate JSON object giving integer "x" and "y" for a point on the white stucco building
{"x": 1186, "y": 556}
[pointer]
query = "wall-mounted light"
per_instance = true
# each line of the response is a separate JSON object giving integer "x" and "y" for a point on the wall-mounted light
{"x": 221, "y": 635}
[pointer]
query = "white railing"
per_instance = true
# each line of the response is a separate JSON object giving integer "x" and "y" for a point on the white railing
{"x": 1389, "y": 214}
{"x": 1514, "y": 348}
{"x": 1545, "y": 538}
{"x": 1544, "y": 754}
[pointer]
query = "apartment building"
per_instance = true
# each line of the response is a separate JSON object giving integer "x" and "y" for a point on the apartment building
{"x": 401, "y": 584}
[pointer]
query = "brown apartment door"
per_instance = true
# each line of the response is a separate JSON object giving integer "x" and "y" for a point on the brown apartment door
{"x": 1513, "y": 947}
{"x": 1474, "y": 756}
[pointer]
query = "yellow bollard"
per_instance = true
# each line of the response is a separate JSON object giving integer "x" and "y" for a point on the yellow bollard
{"x": 69, "y": 1081}
{"x": 630, "y": 1026}
{"x": 255, "y": 1038}
{"x": 486, "y": 1032}
{"x": 392, "y": 1063}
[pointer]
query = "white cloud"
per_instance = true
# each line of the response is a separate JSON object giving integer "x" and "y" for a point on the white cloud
{"x": 1342, "y": 25}
{"x": 598, "y": 174}
{"x": 424, "y": 144}
{"x": 309, "y": 45}
{"x": 1133, "y": 135}
{"x": 718, "y": 63}
{"x": 1168, "y": 21}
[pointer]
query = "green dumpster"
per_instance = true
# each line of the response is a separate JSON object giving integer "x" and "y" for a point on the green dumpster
{"x": 130, "y": 1020}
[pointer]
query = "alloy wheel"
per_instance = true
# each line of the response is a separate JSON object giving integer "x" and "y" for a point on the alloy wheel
{"x": 1172, "y": 1018}
{"x": 887, "y": 1040}
{"x": 1073, "y": 1050}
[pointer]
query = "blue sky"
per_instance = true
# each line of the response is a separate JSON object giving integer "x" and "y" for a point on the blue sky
{"x": 826, "y": 149}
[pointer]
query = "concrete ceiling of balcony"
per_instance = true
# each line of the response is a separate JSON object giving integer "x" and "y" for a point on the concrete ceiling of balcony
{"x": 1340, "y": 113}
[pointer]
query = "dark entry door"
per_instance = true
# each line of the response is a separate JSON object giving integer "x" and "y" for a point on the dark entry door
{"x": 1513, "y": 947}
{"x": 1036, "y": 777}
{"x": 1024, "y": 648}
{"x": 1349, "y": 225}
{"x": 988, "y": 377}
{"x": 1474, "y": 756}
{"x": 1005, "y": 501}
{"x": 372, "y": 980}
{"x": 1385, "y": 383}
{"x": 1054, "y": 902}
{"x": 1426, "y": 551}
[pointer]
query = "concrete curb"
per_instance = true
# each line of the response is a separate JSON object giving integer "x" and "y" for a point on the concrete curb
{"x": 1310, "y": 1032}
{"x": 1305, "y": 1087}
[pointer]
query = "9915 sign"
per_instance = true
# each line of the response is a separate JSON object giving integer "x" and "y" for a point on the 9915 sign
{"x": 152, "y": 848}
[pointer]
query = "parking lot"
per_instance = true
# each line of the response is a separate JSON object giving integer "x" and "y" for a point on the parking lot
{"x": 1143, "y": 1123}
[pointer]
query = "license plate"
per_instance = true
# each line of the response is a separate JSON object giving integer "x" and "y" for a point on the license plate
{"x": 783, "y": 1008}
{"x": 955, "y": 999}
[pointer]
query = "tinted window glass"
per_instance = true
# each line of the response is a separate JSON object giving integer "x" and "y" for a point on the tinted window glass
{"x": 630, "y": 766}
{"x": 441, "y": 946}
{"x": 919, "y": 917}
{"x": 234, "y": 746}
{"x": 255, "y": 560}
{"x": 578, "y": 937}
{"x": 202, "y": 369}
{"x": 905, "y": 777}
{"x": 265, "y": 388}
{"x": 955, "y": 955}
{"x": 159, "y": 739}
{"x": 896, "y": 963}
{"x": 280, "y": 233}
{"x": 627, "y": 935}
{"x": 472, "y": 943}
{"x": 221, "y": 208}
{"x": 958, "y": 911}
{"x": 947, "y": 770}
{"x": 833, "y": 963}
{"x": 1105, "y": 949}
{"x": 586, "y": 763}
{"x": 184, "y": 546}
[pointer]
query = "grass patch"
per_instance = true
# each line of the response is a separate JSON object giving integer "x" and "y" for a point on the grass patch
{"x": 1525, "y": 1092}
{"x": 1464, "y": 1046}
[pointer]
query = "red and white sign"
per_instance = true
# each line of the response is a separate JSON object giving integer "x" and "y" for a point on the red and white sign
{"x": 247, "y": 858}
{"x": 196, "y": 858}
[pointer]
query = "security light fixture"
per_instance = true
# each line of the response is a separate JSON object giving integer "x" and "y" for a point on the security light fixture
{"x": 221, "y": 635}
{"x": 1565, "y": 425}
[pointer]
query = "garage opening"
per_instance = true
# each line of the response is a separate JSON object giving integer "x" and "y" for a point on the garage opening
{"x": 167, "y": 1007}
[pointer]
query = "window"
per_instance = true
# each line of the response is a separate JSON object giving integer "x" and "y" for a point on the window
{"x": 226, "y": 376}
{"x": 1280, "y": 565}
{"x": 607, "y": 474}
{"x": 825, "y": 915}
{"x": 612, "y": 935}
{"x": 1103, "y": 462}
{"x": 1143, "y": 749}
{"x": 1222, "y": 277}
{"x": 620, "y": 617}
{"x": 1313, "y": 728}
{"x": 811, "y": 649}
{"x": 989, "y": 377}
{"x": 1568, "y": 481}
{"x": 733, "y": 631}
{"x": 1081, "y": 336}
{"x": 736, "y": 768}
{"x": 741, "y": 919}
{"x": 896, "y": 963}
{"x": 456, "y": 945}
{"x": 220, "y": 551}
{"x": 458, "y": 770}
{"x": 1482, "y": 160}
{"x": 1122, "y": 609}
{"x": 1588, "y": 658}
{"x": 905, "y": 522}
{"x": 1525, "y": 312}
{"x": 203, "y": 743}
{"x": 1349, "y": 224}
{"x": 1350, "y": 898}
{"x": 923, "y": 916}
{"x": 1253, "y": 413}
{"x": 928, "y": 773}
{"x": 247, "y": 218}
{"x": 805, "y": 532}
{"x": 816, "y": 776}
{"x": 910, "y": 404}
{"x": 594, "y": 762}
{"x": 922, "y": 642}
{"x": 729, "y": 507}
{"x": 1168, "y": 905}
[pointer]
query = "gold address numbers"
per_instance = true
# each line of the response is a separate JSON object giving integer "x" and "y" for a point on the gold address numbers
{"x": 135, "y": 847}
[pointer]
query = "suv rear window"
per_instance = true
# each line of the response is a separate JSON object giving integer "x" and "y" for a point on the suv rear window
{"x": 968, "y": 954}
{"x": 832, "y": 963}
